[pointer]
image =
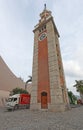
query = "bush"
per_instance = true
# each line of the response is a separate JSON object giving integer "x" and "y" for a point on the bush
{"x": 18, "y": 91}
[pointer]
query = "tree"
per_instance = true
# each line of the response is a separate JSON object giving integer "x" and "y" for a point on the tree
{"x": 29, "y": 80}
{"x": 18, "y": 91}
{"x": 79, "y": 87}
{"x": 72, "y": 97}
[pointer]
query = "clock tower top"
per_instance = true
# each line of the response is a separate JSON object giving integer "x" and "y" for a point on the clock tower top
{"x": 46, "y": 16}
{"x": 46, "y": 13}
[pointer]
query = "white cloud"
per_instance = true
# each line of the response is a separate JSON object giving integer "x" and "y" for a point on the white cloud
{"x": 17, "y": 20}
{"x": 73, "y": 69}
{"x": 16, "y": 40}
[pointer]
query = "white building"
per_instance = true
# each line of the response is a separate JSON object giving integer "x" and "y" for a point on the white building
{"x": 8, "y": 81}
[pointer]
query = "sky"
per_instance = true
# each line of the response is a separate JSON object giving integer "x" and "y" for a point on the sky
{"x": 17, "y": 21}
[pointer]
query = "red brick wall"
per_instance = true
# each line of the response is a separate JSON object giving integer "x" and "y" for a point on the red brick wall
{"x": 43, "y": 70}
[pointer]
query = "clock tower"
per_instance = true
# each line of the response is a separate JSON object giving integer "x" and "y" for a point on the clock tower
{"x": 48, "y": 82}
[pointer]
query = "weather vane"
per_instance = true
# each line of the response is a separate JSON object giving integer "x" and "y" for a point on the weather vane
{"x": 44, "y": 6}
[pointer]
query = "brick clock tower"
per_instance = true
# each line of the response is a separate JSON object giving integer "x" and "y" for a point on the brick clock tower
{"x": 48, "y": 83}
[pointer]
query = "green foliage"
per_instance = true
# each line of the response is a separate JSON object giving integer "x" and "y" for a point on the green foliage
{"x": 29, "y": 80}
{"x": 79, "y": 86}
{"x": 18, "y": 91}
{"x": 72, "y": 97}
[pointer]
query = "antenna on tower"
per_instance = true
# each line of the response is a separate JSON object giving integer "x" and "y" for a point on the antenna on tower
{"x": 44, "y": 6}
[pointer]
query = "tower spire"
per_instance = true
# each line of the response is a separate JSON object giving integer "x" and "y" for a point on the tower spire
{"x": 45, "y": 6}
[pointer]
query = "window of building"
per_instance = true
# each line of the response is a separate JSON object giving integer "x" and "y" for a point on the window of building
{"x": 42, "y": 29}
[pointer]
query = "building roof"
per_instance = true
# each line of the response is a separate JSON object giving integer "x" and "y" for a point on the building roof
{"x": 8, "y": 80}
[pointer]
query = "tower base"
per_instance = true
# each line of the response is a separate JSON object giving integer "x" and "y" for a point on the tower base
{"x": 51, "y": 107}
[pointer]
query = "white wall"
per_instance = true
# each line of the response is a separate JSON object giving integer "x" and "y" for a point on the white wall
{"x": 3, "y": 96}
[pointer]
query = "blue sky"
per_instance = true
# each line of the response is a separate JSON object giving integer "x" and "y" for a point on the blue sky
{"x": 17, "y": 21}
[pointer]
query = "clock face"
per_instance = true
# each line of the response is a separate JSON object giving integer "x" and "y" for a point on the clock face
{"x": 42, "y": 36}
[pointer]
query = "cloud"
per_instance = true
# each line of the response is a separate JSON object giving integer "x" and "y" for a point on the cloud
{"x": 17, "y": 20}
{"x": 73, "y": 69}
{"x": 16, "y": 39}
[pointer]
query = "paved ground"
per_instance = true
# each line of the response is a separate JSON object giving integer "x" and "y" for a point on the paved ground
{"x": 34, "y": 120}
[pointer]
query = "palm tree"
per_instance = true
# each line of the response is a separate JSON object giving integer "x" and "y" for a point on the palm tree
{"x": 29, "y": 80}
{"x": 72, "y": 97}
{"x": 79, "y": 87}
